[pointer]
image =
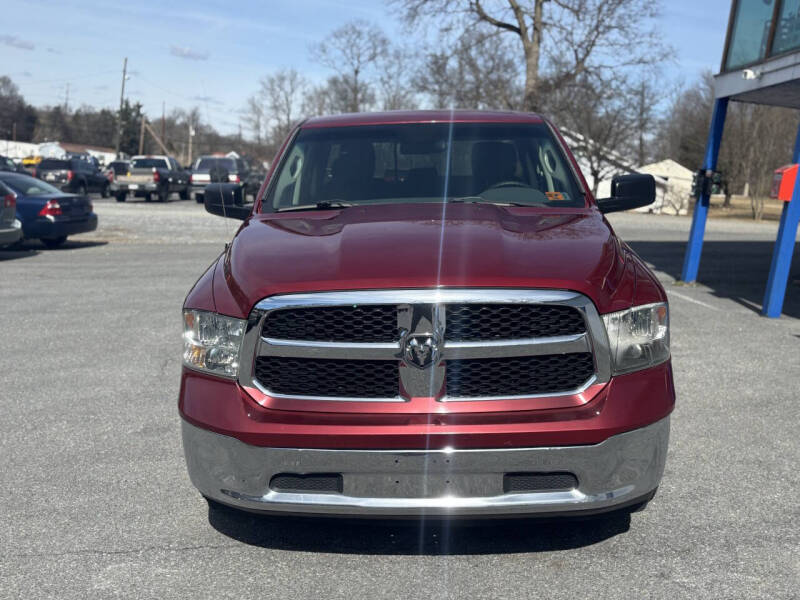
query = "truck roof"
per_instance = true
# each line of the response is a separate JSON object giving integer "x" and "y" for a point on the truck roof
{"x": 421, "y": 116}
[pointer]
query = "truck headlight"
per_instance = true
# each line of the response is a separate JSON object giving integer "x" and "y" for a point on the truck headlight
{"x": 211, "y": 342}
{"x": 638, "y": 337}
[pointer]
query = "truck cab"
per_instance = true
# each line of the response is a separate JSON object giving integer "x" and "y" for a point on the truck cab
{"x": 427, "y": 313}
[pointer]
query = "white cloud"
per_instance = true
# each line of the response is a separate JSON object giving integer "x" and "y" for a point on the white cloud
{"x": 15, "y": 42}
{"x": 187, "y": 53}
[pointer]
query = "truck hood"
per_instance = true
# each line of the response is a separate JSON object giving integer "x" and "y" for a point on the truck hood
{"x": 427, "y": 245}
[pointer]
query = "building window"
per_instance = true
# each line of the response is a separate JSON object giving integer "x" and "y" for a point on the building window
{"x": 750, "y": 32}
{"x": 787, "y": 33}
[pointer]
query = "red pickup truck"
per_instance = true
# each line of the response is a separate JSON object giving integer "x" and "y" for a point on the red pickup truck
{"x": 426, "y": 313}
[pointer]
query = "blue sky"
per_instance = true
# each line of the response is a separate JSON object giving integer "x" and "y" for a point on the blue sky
{"x": 211, "y": 54}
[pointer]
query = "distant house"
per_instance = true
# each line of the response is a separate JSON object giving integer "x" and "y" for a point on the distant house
{"x": 678, "y": 185}
{"x": 615, "y": 163}
{"x": 673, "y": 181}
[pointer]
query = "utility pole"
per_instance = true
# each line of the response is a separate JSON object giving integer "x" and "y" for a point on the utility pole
{"x": 13, "y": 132}
{"x": 191, "y": 135}
{"x": 157, "y": 139}
{"x": 121, "y": 98}
{"x": 163, "y": 120}
{"x": 141, "y": 136}
{"x": 66, "y": 99}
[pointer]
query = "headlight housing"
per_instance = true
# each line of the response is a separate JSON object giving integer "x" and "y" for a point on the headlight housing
{"x": 211, "y": 342}
{"x": 638, "y": 337}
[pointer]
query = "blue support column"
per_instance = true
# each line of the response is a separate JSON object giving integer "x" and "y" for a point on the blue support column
{"x": 784, "y": 248}
{"x": 694, "y": 248}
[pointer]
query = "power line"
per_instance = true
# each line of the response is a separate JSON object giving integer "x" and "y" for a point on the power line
{"x": 61, "y": 79}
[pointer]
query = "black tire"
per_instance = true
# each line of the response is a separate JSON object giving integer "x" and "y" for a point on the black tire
{"x": 104, "y": 193}
{"x": 121, "y": 197}
{"x": 54, "y": 242}
{"x": 184, "y": 194}
{"x": 81, "y": 189}
{"x": 200, "y": 198}
{"x": 163, "y": 195}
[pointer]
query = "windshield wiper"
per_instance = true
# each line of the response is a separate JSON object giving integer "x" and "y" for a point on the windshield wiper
{"x": 482, "y": 200}
{"x": 324, "y": 205}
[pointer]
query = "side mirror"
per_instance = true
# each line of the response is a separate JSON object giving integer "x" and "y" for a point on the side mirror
{"x": 225, "y": 200}
{"x": 629, "y": 191}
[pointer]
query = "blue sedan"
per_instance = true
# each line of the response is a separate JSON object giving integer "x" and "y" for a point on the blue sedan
{"x": 46, "y": 212}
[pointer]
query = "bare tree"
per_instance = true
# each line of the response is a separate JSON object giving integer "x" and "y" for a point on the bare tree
{"x": 352, "y": 50}
{"x": 394, "y": 81}
{"x": 282, "y": 93}
{"x": 644, "y": 104}
{"x": 253, "y": 115}
{"x": 17, "y": 117}
{"x": 602, "y": 115}
{"x": 755, "y": 141}
{"x": 479, "y": 72}
{"x": 560, "y": 40}
{"x": 316, "y": 101}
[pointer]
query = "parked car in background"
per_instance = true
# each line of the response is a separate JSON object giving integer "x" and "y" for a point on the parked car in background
{"x": 29, "y": 163}
{"x": 151, "y": 177}
{"x": 74, "y": 175}
{"x": 224, "y": 169}
{"x": 116, "y": 168}
{"x": 87, "y": 157}
{"x": 255, "y": 177}
{"x": 6, "y": 164}
{"x": 46, "y": 212}
{"x": 10, "y": 227}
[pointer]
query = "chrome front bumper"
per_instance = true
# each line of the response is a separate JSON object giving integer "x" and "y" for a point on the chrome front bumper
{"x": 617, "y": 472}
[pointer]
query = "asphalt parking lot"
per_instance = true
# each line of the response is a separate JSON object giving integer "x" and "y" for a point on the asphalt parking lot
{"x": 96, "y": 502}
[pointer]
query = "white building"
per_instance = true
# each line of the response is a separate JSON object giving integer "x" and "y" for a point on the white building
{"x": 19, "y": 150}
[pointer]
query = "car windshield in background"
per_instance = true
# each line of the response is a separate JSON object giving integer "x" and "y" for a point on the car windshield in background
{"x": 206, "y": 164}
{"x": 52, "y": 163}
{"x": 28, "y": 186}
{"x": 514, "y": 164}
{"x": 149, "y": 163}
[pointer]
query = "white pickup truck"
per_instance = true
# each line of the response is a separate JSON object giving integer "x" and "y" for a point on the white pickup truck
{"x": 153, "y": 177}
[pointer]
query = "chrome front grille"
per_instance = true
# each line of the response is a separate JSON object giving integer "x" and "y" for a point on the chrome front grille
{"x": 518, "y": 376}
{"x": 358, "y": 324}
{"x": 481, "y": 321}
{"x": 326, "y": 377}
{"x": 450, "y": 344}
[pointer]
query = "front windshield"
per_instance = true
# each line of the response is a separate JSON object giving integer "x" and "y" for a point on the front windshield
{"x": 28, "y": 186}
{"x": 517, "y": 164}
